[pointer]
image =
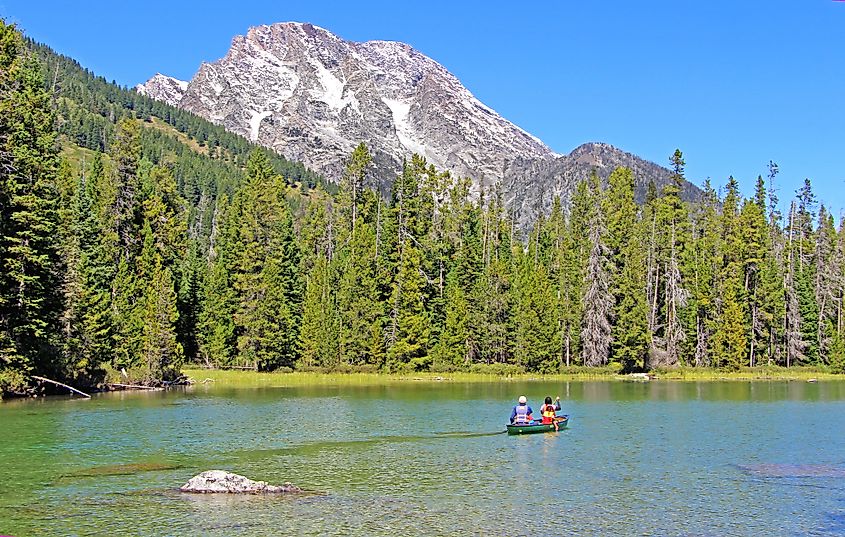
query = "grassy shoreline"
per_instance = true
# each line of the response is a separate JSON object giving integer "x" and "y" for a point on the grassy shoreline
{"x": 247, "y": 378}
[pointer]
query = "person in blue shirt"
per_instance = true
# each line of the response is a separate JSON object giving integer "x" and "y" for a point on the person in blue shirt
{"x": 521, "y": 414}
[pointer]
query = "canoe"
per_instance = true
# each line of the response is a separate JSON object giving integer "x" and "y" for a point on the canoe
{"x": 538, "y": 427}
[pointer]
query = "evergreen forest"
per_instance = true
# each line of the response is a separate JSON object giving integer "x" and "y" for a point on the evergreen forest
{"x": 136, "y": 238}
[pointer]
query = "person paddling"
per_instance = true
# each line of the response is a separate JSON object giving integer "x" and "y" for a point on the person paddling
{"x": 548, "y": 411}
{"x": 521, "y": 414}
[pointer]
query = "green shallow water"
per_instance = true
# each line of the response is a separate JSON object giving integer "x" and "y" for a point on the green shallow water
{"x": 659, "y": 458}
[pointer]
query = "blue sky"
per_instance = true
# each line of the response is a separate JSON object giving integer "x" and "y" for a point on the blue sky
{"x": 733, "y": 84}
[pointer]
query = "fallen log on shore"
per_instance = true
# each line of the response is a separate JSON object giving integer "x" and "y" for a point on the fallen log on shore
{"x": 135, "y": 387}
{"x": 57, "y": 383}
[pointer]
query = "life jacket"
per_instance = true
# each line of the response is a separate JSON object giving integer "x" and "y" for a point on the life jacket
{"x": 521, "y": 417}
{"x": 549, "y": 414}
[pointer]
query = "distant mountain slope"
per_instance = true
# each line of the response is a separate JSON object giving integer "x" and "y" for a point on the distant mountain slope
{"x": 313, "y": 96}
{"x": 533, "y": 185}
{"x": 207, "y": 158}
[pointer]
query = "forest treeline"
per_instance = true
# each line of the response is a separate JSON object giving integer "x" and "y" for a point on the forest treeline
{"x": 151, "y": 249}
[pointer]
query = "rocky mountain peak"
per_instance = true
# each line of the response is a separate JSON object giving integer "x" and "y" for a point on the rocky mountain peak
{"x": 313, "y": 96}
{"x": 163, "y": 88}
{"x": 600, "y": 155}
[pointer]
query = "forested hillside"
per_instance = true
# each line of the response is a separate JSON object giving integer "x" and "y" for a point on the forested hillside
{"x": 135, "y": 237}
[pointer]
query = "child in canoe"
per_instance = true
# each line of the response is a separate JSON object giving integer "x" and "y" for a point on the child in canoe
{"x": 548, "y": 411}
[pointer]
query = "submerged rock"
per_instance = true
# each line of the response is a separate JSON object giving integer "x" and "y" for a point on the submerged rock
{"x": 214, "y": 481}
{"x": 122, "y": 469}
{"x": 794, "y": 470}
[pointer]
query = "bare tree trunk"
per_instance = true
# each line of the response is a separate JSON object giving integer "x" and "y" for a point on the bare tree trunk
{"x": 394, "y": 314}
{"x": 674, "y": 301}
{"x": 71, "y": 388}
{"x": 753, "y": 335}
{"x": 568, "y": 352}
{"x": 702, "y": 339}
{"x": 378, "y": 225}
{"x": 598, "y": 301}
{"x": 652, "y": 285}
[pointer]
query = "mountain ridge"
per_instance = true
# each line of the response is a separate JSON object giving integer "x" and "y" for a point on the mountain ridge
{"x": 313, "y": 96}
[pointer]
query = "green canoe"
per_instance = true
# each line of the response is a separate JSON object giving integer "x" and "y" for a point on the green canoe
{"x": 538, "y": 427}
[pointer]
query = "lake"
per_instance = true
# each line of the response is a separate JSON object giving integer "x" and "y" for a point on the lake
{"x": 430, "y": 458}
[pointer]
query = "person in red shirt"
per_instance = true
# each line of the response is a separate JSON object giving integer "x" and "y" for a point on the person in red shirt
{"x": 548, "y": 411}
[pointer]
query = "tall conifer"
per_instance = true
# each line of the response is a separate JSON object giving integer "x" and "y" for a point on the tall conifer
{"x": 625, "y": 241}
{"x": 30, "y": 289}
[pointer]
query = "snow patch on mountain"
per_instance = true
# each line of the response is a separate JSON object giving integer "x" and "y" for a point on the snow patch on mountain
{"x": 400, "y": 111}
{"x": 255, "y": 123}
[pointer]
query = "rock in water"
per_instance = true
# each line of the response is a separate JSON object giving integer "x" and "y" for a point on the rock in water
{"x": 214, "y": 481}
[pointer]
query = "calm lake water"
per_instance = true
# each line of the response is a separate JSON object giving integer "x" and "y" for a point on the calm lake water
{"x": 658, "y": 458}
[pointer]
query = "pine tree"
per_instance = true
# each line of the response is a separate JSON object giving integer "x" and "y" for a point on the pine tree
{"x": 533, "y": 306}
{"x": 279, "y": 315}
{"x": 266, "y": 274}
{"x": 795, "y": 283}
{"x": 156, "y": 308}
{"x": 354, "y": 264}
{"x": 408, "y": 330}
{"x": 826, "y": 285}
{"x": 161, "y": 354}
{"x": 126, "y": 214}
{"x": 731, "y": 335}
{"x": 837, "y": 349}
{"x": 627, "y": 250}
{"x": 352, "y": 186}
{"x": 165, "y": 211}
{"x": 468, "y": 267}
{"x": 126, "y": 310}
{"x": 320, "y": 320}
{"x": 124, "y": 241}
{"x": 494, "y": 297}
{"x": 805, "y": 276}
{"x": 30, "y": 289}
{"x": 703, "y": 262}
{"x": 774, "y": 275}
{"x": 87, "y": 286}
{"x": 597, "y": 300}
{"x": 672, "y": 226}
{"x": 70, "y": 239}
{"x": 451, "y": 349}
{"x": 555, "y": 233}
{"x": 189, "y": 297}
{"x": 757, "y": 262}
{"x": 576, "y": 248}
{"x": 216, "y": 326}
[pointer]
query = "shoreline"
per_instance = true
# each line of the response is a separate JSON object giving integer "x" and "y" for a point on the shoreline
{"x": 256, "y": 379}
{"x": 249, "y": 379}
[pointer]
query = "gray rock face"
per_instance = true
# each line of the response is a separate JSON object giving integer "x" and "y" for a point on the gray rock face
{"x": 530, "y": 186}
{"x": 218, "y": 481}
{"x": 313, "y": 97}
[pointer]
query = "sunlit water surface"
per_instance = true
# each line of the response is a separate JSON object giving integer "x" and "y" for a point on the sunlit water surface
{"x": 658, "y": 458}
